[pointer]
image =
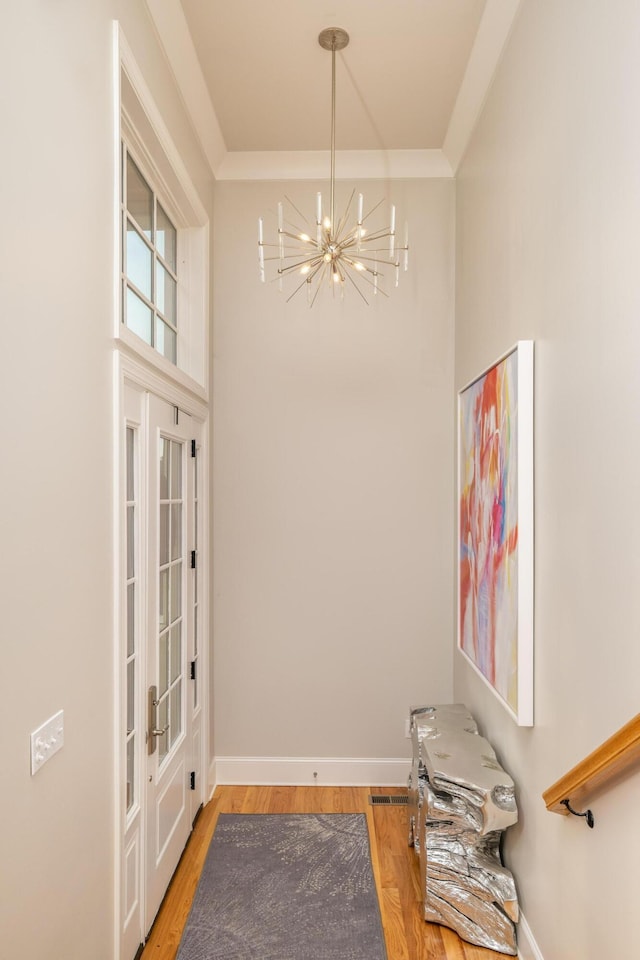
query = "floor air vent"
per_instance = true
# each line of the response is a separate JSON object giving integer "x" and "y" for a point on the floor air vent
{"x": 395, "y": 800}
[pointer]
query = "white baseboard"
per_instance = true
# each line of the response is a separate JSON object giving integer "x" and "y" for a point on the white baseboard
{"x": 299, "y": 771}
{"x": 212, "y": 780}
{"x": 528, "y": 949}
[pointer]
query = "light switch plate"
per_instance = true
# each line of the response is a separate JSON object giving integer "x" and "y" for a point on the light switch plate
{"x": 47, "y": 740}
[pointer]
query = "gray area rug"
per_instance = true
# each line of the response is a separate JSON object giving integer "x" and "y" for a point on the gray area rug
{"x": 286, "y": 887}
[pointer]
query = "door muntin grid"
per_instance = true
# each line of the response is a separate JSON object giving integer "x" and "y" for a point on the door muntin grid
{"x": 171, "y": 571}
{"x": 196, "y": 599}
{"x": 131, "y": 635}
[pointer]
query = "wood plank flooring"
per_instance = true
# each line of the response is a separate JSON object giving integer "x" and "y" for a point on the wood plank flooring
{"x": 407, "y": 936}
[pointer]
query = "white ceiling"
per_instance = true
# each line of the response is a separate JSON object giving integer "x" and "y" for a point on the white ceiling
{"x": 410, "y": 83}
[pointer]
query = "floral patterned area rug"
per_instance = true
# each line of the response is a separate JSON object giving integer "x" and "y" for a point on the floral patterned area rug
{"x": 286, "y": 887}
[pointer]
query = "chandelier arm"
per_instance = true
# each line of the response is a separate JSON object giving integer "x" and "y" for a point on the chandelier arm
{"x": 298, "y": 252}
{"x": 363, "y": 266}
{"x": 373, "y": 209}
{"x": 353, "y": 282}
{"x": 297, "y": 255}
{"x": 317, "y": 291}
{"x": 372, "y": 283}
{"x": 378, "y": 235}
{"x": 306, "y": 280}
{"x": 297, "y": 237}
{"x": 299, "y": 212}
{"x": 292, "y": 267}
{"x": 383, "y": 260}
{"x": 350, "y": 239}
{"x": 343, "y": 219}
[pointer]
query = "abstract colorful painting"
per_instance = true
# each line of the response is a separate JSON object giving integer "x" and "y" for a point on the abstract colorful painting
{"x": 495, "y": 528}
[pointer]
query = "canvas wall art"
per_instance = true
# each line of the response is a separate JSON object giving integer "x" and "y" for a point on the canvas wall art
{"x": 495, "y": 528}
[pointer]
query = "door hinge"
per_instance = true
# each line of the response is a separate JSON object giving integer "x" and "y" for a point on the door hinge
{"x": 193, "y": 448}
{"x": 193, "y": 670}
{"x": 192, "y": 780}
{"x": 193, "y": 559}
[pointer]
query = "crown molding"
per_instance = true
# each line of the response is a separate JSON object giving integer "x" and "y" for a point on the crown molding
{"x": 493, "y": 32}
{"x": 172, "y": 30}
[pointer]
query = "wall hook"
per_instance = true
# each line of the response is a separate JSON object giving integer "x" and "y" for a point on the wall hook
{"x": 587, "y": 813}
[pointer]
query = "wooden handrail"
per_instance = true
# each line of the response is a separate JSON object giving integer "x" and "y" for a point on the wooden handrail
{"x": 608, "y": 762}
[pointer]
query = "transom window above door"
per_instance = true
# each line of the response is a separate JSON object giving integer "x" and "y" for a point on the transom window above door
{"x": 149, "y": 263}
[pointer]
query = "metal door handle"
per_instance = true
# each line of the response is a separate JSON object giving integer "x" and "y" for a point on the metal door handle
{"x": 153, "y": 731}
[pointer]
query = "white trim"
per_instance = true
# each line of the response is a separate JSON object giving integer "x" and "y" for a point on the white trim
{"x": 148, "y": 368}
{"x": 491, "y": 39}
{"x": 117, "y": 533}
{"x": 528, "y": 949}
{"x": 350, "y": 165}
{"x": 173, "y": 33}
{"x": 298, "y": 771}
{"x": 154, "y": 147}
{"x": 212, "y": 781}
{"x": 160, "y": 129}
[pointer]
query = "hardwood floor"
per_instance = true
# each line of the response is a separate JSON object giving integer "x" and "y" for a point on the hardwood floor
{"x": 408, "y": 937}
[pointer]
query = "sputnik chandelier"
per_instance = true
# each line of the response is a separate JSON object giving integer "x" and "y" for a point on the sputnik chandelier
{"x": 331, "y": 252}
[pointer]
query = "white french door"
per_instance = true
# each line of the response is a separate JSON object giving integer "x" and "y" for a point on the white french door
{"x": 170, "y": 626}
{"x": 163, "y": 734}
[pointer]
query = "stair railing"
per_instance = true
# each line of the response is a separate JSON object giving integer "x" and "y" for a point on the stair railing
{"x": 607, "y": 764}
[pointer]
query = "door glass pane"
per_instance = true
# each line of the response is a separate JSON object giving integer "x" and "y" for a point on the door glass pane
{"x": 163, "y": 544}
{"x": 139, "y": 261}
{"x": 163, "y": 662}
{"x": 166, "y": 238}
{"x": 166, "y": 342}
{"x": 131, "y": 676}
{"x": 130, "y": 543}
{"x": 139, "y": 316}
{"x": 165, "y": 453}
{"x": 139, "y": 198}
{"x": 131, "y": 618}
{"x": 176, "y": 591}
{"x": 163, "y": 599}
{"x": 130, "y": 464}
{"x": 176, "y": 651}
{"x": 176, "y": 471}
{"x": 176, "y": 530}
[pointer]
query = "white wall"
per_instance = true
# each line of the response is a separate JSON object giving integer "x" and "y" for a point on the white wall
{"x": 548, "y": 206}
{"x": 56, "y": 269}
{"x": 333, "y": 465}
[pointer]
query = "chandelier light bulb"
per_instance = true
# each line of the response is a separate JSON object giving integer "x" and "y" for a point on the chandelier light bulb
{"x": 329, "y": 257}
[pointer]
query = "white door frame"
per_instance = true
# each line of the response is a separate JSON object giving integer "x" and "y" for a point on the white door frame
{"x": 130, "y": 852}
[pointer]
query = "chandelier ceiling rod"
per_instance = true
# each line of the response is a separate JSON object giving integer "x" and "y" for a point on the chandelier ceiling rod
{"x": 333, "y": 38}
